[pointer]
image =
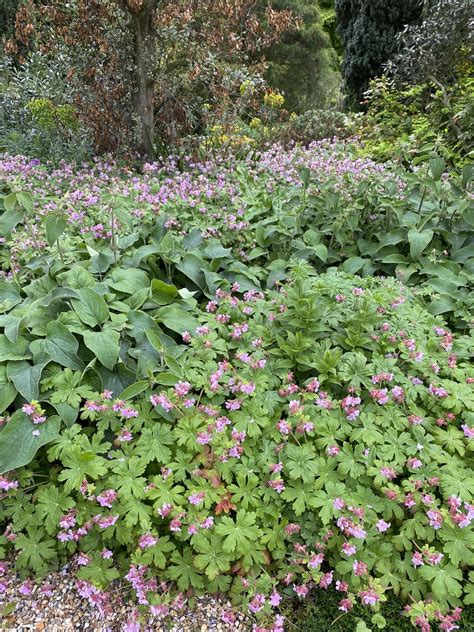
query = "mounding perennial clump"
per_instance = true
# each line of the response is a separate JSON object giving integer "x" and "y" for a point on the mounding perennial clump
{"x": 271, "y": 442}
{"x": 198, "y": 395}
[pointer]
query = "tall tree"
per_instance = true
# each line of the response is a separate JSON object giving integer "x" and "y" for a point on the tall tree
{"x": 304, "y": 64}
{"x": 132, "y": 60}
{"x": 368, "y": 30}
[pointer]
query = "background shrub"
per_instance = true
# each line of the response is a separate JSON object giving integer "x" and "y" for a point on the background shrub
{"x": 37, "y": 115}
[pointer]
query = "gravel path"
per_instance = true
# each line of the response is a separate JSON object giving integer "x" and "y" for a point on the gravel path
{"x": 56, "y": 606}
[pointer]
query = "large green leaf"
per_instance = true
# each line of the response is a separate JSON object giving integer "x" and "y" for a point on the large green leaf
{"x": 25, "y": 200}
{"x": 62, "y": 346}
{"x": 418, "y": 240}
{"x": 18, "y": 445}
{"x": 13, "y": 350}
{"x": 163, "y": 293}
{"x": 67, "y": 413}
{"x": 105, "y": 345}
{"x": 91, "y": 307}
{"x": 8, "y": 220}
{"x": 8, "y": 393}
{"x": 128, "y": 281}
{"x": 177, "y": 319}
{"x": 9, "y": 293}
{"x": 55, "y": 227}
{"x": 11, "y": 325}
{"x": 353, "y": 265}
{"x": 134, "y": 389}
{"x": 25, "y": 378}
{"x": 215, "y": 250}
{"x": 437, "y": 166}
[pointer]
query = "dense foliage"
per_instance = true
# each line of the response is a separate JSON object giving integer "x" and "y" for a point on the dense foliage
{"x": 436, "y": 47}
{"x": 323, "y": 614}
{"x": 368, "y": 30}
{"x": 141, "y": 71}
{"x": 243, "y": 367}
{"x": 210, "y": 409}
{"x": 304, "y": 64}
{"x": 402, "y": 119}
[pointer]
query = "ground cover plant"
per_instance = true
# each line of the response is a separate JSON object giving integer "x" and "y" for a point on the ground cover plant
{"x": 199, "y": 395}
{"x": 319, "y": 203}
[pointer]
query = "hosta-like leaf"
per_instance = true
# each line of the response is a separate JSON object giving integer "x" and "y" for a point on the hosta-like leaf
{"x": 26, "y": 378}
{"x": 18, "y": 444}
{"x": 55, "y": 227}
{"x": 104, "y": 345}
{"x": 128, "y": 281}
{"x": 91, "y": 307}
{"x": 418, "y": 241}
{"x": 13, "y": 350}
{"x": 177, "y": 319}
{"x": 62, "y": 346}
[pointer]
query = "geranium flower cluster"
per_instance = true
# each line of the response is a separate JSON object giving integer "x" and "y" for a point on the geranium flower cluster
{"x": 280, "y": 445}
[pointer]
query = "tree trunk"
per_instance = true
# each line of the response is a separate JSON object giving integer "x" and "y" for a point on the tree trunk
{"x": 144, "y": 49}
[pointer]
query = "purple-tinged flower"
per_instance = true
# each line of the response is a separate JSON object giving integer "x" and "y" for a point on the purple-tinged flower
{"x": 228, "y": 617}
{"x": 182, "y": 389}
{"x": 326, "y": 580}
{"x": 161, "y": 610}
{"x": 26, "y": 588}
{"x": 275, "y": 599}
{"x": 164, "y": 510}
{"x": 438, "y": 391}
{"x": 105, "y": 521}
{"x": 417, "y": 559}
{"x": 348, "y": 549}
{"x": 369, "y": 597}
{"x": 161, "y": 400}
{"x": 257, "y": 603}
{"x": 435, "y": 518}
{"x": 382, "y": 526}
{"x": 316, "y": 560}
{"x": 301, "y": 590}
{"x": 414, "y": 463}
{"x": 146, "y": 541}
{"x": 359, "y": 568}
{"x": 196, "y": 498}
{"x": 107, "y": 498}
{"x": 468, "y": 431}
{"x": 388, "y": 472}
{"x": 125, "y": 435}
{"x": 338, "y": 503}
{"x": 345, "y": 605}
{"x": 82, "y": 559}
{"x": 6, "y": 483}
{"x": 203, "y": 438}
{"x": 277, "y": 484}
